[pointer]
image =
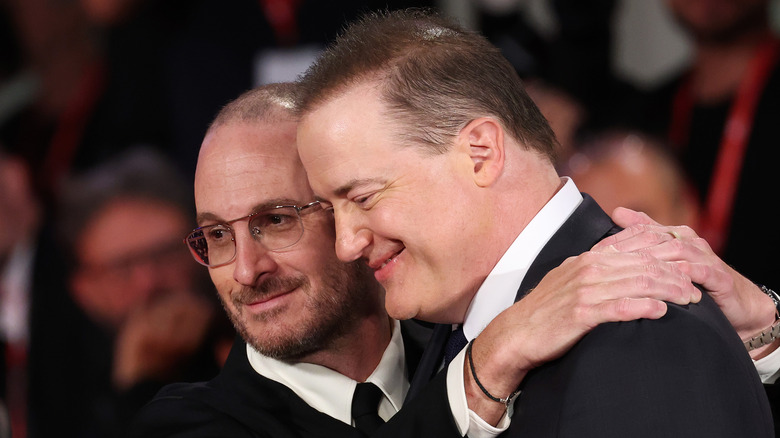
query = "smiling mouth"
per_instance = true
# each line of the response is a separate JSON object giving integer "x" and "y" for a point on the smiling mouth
{"x": 388, "y": 260}
{"x": 267, "y": 298}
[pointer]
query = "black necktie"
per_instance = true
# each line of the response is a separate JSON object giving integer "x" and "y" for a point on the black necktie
{"x": 365, "y": 407}
{"x": 455, "y": 343}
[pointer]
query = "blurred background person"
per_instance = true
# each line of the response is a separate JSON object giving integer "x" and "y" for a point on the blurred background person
{"x": 20, "y": 215}
{"x": 19, "y": 218}
{"x": 148, "y": 315}
{"x": 627, "y": 169}
{"x": 720, "y": 116}
{"x": 56, "y": 77}
{"x": 33, "y": 291}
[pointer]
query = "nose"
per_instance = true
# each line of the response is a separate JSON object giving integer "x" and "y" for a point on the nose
{"x": 352, "y": 238}
{"x": 252, "y": 261}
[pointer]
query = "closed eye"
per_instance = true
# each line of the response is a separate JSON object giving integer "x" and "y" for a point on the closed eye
{"x": 361, "y": 201}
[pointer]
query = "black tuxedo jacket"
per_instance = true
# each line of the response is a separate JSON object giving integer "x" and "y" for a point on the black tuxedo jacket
{"x": 685, "y": 375}
{"x": 241, "y": 403}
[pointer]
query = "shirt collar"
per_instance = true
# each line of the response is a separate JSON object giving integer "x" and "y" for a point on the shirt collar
{"x": 330, "y": 392}
{"x": 499, "y": 289}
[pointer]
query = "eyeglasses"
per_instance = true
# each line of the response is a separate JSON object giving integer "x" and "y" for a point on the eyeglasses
{"x": 275, "y": 228}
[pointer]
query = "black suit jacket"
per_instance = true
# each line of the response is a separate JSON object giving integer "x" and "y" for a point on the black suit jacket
{"x": 684, "y": 375}
{"x": 241, "y": 403}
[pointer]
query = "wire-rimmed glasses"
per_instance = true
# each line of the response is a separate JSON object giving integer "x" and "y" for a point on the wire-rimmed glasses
{"x": 275, "y": 228}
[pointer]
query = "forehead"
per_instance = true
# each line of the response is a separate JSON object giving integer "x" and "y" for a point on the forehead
{"x": 242, "y": 165}
{"x": 344, "y": 137}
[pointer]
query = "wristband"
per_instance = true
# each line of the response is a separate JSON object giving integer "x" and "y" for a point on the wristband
{"x": 772, "y": 333}
{"x": 505, "y": 401}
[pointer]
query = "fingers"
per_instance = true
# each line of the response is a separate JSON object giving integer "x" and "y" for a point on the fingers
{"x": 628, "y": 309}
{"x": 693, "y": 256}
{"x": 625, "y": 217}
{"x": 662, "y": 282}
{"x": 641, "y": 236}
{"x": 595, "y": 277}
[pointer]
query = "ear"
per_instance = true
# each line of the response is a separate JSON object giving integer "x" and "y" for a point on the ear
{"x": 484, "y": 138}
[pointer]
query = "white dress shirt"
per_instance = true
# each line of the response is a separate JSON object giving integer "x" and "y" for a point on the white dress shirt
{"x": 331, "y": 392}
{"x": 768, "y": 367}
{"x": 499, "y": 289}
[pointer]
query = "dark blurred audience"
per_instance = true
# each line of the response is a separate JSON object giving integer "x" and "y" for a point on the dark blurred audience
{"x": 20, "y": 217}
{"x": 33, "y": 294}
{"x": 99, "y": 85}
{"x": 718, "y": 115}
{"x": 149, "y": 316}
{"x": 721, "y": 116}
{"x": 230, "y": 46}
{"x": 573, "y": 61}
{"x": 5, "y": 423}
{"x": 82, "y": 82}
{"x": 60, "y": 59}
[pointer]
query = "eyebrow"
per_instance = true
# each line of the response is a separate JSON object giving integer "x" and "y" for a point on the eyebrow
{"x": 351, "y": 184}
{"x": 208, "y": 216}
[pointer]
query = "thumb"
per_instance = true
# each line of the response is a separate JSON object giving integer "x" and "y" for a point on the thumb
{"x": 625, "y": 217}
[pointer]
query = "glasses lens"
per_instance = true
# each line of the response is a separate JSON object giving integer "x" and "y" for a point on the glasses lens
{"x": 198, "y": 247}
{"x": 212, "y": 245}
{"x": 277, "y": 228}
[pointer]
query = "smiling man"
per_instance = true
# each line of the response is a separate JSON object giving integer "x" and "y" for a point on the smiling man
{"x": 439, "y": 169}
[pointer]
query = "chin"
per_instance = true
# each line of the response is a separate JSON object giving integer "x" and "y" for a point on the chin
{"x": 399, "y": 312}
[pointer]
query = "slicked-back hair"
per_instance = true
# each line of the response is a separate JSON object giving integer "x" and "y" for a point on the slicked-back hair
{"x": 434, "y": 77}
{"x": 267, "y": 103}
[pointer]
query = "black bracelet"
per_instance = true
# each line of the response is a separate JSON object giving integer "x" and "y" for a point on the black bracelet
{"x": 505, "y": 401}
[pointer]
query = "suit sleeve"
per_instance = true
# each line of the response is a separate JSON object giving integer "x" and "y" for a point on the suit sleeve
{"x": 773, "y": 394}
{"x": 173, "y": 416}
{"x": 686, "y": 374}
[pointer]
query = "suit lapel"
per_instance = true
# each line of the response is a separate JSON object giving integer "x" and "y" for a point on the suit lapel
{"x": 265, "y": 405}
{"x": 584, "y": 228}
{"x": 430, "y": 360}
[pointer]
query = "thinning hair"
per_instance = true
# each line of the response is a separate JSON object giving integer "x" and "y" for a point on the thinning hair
{"x": 435, "y": 77}
{"x": 269, "y": 103}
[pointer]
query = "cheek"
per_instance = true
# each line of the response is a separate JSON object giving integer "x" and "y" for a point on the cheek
{"x": 223, "y": 281}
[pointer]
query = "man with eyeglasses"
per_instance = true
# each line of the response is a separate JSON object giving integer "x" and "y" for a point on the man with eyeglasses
{"x": 316, "y": 340}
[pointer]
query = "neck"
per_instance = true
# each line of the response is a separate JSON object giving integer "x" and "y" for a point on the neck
{"x": 357, "y": 354}
{"x": 719, "y": 67}
{"x": 532, "y": 179}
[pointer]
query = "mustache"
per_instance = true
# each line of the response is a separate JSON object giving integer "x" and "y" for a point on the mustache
{"x": 270, "y": 286}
